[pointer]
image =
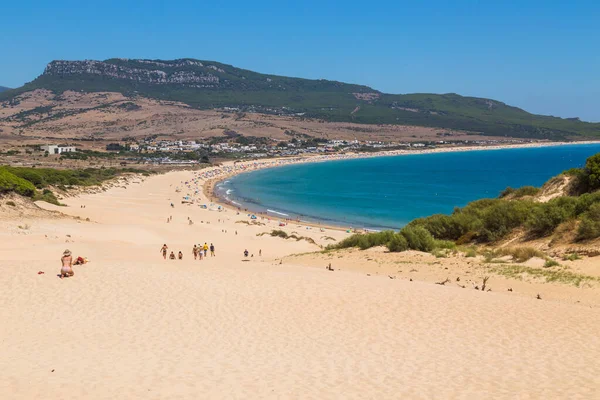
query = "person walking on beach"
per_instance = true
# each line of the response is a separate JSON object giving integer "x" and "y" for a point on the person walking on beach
{"x": 205, "y": 248}
{"x": 164, "y": 250}
{"x": 66, "y": 268}
{"x": 180, "y": 255}
{"x": 212, "y": 250}
{"x": 246, "y": 253}
{"x": 200, "y": 252}
{"x": 172, "y": 256}
{"x": 195, "y": 252}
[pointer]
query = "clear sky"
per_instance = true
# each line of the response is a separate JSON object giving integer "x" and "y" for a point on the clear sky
{"x": 541, "y": 55}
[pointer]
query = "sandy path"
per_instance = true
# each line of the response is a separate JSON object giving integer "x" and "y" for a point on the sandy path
{"x": 131, "y": 325}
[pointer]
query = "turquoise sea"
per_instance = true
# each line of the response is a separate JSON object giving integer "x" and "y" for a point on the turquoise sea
{"x": 389, "y": 192}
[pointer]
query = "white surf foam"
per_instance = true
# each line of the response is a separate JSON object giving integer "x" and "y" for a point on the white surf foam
{"x": 277, "y": 212}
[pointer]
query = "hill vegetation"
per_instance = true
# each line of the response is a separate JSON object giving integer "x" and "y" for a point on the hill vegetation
{"x": 36, "y": 183}
{"x": 3, "y": 89}
{"x": 208, "y": 85}
{"x": 489, "y": 221}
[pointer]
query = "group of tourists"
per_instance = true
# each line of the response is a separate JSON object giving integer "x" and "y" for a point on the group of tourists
{"x": 198, "y": 251}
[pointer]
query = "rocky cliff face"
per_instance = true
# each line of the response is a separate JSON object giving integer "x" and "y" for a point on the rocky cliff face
{"x": 183, "y": 72}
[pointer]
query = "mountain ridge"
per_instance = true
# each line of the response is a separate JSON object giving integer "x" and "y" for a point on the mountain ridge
{"x": 209, "y": 85}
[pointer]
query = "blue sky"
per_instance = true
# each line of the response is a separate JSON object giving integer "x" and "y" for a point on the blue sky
{"x": 543, "y": 56}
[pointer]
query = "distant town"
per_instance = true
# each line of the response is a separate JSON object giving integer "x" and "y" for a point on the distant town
{"x": 185, "y": 152}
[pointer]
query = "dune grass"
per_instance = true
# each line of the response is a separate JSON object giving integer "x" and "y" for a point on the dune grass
{"x": 549, "y": 275}
{"x": 284, "y": 235}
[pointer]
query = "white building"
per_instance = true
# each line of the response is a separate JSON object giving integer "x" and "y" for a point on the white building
{"x": 56, "y": 149}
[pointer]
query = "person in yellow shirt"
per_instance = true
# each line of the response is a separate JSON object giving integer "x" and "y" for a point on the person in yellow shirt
{"x": 205, "y": 248}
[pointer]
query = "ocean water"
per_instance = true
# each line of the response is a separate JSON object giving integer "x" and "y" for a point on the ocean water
{"x": 389, "y": 192}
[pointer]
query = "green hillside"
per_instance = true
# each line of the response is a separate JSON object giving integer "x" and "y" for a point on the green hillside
{"x": 3, "y": 88}
{"x": 208, "y": 84}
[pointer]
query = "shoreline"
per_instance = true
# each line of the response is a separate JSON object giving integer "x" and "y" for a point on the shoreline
{"x": 234, "y": 168}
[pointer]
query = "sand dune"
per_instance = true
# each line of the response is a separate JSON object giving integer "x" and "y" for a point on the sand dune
{"x": 132, "y": 325}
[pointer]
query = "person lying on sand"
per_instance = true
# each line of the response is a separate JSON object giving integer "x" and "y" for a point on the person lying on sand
{"x": 80, "y": 261}
{"x": 66, "y": 269}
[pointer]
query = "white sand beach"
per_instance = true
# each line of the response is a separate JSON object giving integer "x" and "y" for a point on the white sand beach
{"x": 130, "y": 325}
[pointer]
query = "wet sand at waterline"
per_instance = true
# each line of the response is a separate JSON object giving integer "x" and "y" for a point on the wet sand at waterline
{"x": 132, "y": 325}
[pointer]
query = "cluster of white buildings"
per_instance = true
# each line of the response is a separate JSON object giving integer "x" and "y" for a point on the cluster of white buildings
{"x": 58, "y": 149}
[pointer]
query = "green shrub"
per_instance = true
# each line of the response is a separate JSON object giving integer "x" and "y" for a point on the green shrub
{"x": 43, "y": 177}
{"x": 350, "y": 241}
{"x": 545, "y": 217}
{"x": 585, "y": 201}
{"x": 12, "y": 183}
{"x": 589, "y": 228}
{"x": 551, "y": 263}
{"x": 11, "y": 203}
{"x": 366, "y": 240}
{"x": 502, "y": 217}
{"x": 579, "y": 181}
{"x": 397, "y": 243}
{"x": 592, "y": 169}
{"x": 418, "y": 238}
{"x": 375, "y": 239}
{"x": 449, "y": 227}
{"x": 30, "y": 175}
{"x": 47, "y": 196}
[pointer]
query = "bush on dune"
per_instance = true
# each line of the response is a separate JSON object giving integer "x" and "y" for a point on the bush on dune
{"x": 546, "y": 217}
{"x": 24, "y": 180}
{"x": 47, "y": 196}
{"x": 592, "y": 169}
{"x": 502, "y": 217}
{"x": 590, "y": 224}
{"x": 449, "y": 227}
{"x": 44, "y": 177}
{"x": 365, "y": 241}
{"x": 12, "y": 183}
{"x": 397, "y": 243}
{"x": 585, "y": 201}
{"x": 418, "y": 238}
